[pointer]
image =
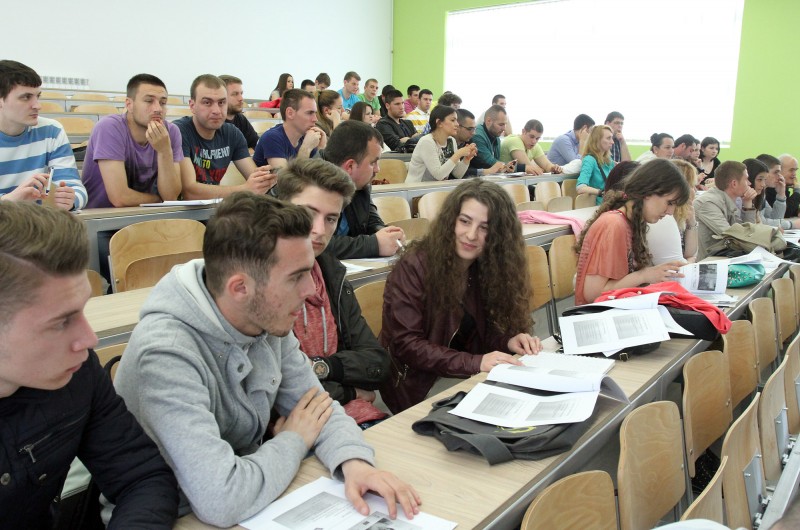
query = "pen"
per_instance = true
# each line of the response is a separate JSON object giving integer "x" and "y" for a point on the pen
{"x": 400, "y": 244}
{"x": 49, "y": 181}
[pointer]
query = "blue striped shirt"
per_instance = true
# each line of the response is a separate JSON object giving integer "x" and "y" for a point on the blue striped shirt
{"x": 37, "y": 148}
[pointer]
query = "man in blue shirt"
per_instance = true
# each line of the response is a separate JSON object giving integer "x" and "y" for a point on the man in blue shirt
{"x": 569, "y": 145}
{"x": 349, "y": 92}
{"x": 297, "y": 137}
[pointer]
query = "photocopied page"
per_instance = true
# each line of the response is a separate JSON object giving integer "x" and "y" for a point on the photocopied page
{"x": 198, "y": 202}
{"x": 322, "y": 505}
{"x": 611, "y": 330}
{"x": 509, "y": 408}
{"x": 549, "y": 379}
{"x": 704, "y": 278}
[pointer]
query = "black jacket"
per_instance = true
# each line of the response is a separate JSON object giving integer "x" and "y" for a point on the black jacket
{"x": 360, "y": 361}
{"x": 363, "y": 221}
{"x": 42, "y": 431}
{"x": 393, "y": 131}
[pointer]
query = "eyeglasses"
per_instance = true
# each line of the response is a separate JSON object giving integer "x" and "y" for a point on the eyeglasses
{"x": 470, "y": 129}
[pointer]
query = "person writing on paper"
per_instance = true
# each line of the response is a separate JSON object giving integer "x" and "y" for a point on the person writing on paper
{"x": 596, "y": 162}
{"x": 436, "y": 156}
{"x": 216, "y": 377}
{"x": 612, "y": 248}
{"x": 458, "y": 301}
{"x": 674, "y": 237}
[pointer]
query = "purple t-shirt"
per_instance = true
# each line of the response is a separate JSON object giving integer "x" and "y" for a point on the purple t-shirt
{"x": 111, "y": 140}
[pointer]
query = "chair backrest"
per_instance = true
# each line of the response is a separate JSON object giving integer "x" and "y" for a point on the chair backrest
{"x": 50, "y": 106}
{"x": 650, "y": 478}
{"x": 393, "y": 170}
{"x": 740, "y": 352}
{"x": 547, "y": 190}
{"x": 95, "y": 109}
{"x": 370, "y": 298}
{"x": 258, "y": 114}
{"x": 772, "y": 424}
{"x": 530, "y": 205}
{"x": 109, "y": 353}
{"x": 559, "y": 204}
{"x": 75, "y": 125}
{"x": 765, "y": 327}
{"x": 563, "y": 264}
{"x": 568, "y": 188}
{"x": 582, "y": 500}
{"x": 392, "y": 208}
{"x": 175, "y": 100}
{"x": 430, "y": 204}
{"x": 741, "y": 445}
{"x": 518, "y": 192}
{"x": 52, "y": 95}
{"x": 178, "y": 111}
{"x": 232, "y": 176}
{"x": 90, "y": 97}
{"x": 707, "y": 410}
{"x": 415, "y": 228}
{"x": 96, "y": 282}
{"x": 584, "y": 200}
{"x": 794, "y": 274}
{"x": 151, "y": 238}
{"x": 708, "y": 505}
{"x": 792, "y": 385}
{"x": 785, "y": 309}
{"x": 146, "y": 272}
{"x": 263, "y": 126}
{"x": 539, "y": 275}
{"x": 123, "y": 97}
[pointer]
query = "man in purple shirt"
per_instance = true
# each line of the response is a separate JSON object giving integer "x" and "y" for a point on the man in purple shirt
{"x": 133, "y": 158}
{"x": 413, "y": 98}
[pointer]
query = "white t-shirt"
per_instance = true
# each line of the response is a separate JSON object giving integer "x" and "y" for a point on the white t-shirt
{"x": 664, "y": 241}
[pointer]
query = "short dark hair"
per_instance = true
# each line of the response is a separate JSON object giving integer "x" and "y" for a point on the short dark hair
{"x": 242, "y": 235}
{"x": 142, "y": 79}
{"x": 613, "y": 115}
{"x": 292, "y": 98}
{"x": 533, "y": 125}
{"x": 36, "y": 240}
{"x": 493, "y": 111}
{"x": 709, "y": 140}
{"x": 581, "y": 121}
{"x": 208, "y": 80}
{"x": 386, "y": 89}
{"x": 350, "y": 75}
{"x": 13, "y": 73}
{"x": 323, "y": 78}
{"x": 411, "y": 89}
{"x": 439, "y": 114}
{"x": 230, "y": 80}
{"x": 391, "y": 95}
{"x": 497, "y": 98}
{"x": 305, "y": 83}
{"x": 448, "y": 98}
{"x": 425, "y": 92}
{"x": 618, "y": 173}
{"x": 686, "y": 139}
{"x": 298, "y": 174}
{"x": 728, "y": 171}
{"x": 769, "y": 160}
{"x": 464, "y": 114}
{"x": 350, "y": 140}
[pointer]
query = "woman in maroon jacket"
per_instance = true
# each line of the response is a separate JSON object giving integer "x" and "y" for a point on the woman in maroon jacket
{"x": 457, "y": 302}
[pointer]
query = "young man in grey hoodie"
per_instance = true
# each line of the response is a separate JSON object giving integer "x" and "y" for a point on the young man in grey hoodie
{"x": 213, "y": 354}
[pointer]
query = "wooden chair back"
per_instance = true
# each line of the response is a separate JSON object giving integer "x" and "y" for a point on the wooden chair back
{"x": 559, "y": 204}
{"x": 568, "y": 188}
{"x": 584, "y": 200}
{"x": 90, "y": 97}
{"x": 563, "y": 264}
{"x": 430, "y": 204}
{"x": 582, "y": 500}
{"x": 96, "y": 282}
{"x": 123, "y": 97}
{"x": 51, "y": 106}
{"x": 89, "y": 108}
{"x": 175, "y": 100}
{"x": 146, "y": 272}
{"x": 547, "y": 190}
{"x": 765, "y": 327}
{"x": 392, "y": 208}
{"x": 178, "y": 111}
{"x": 650, "y": 477}
{"x": 518, "y": 192}
{"x": 707, "y": 410}
{"x": 108, "y": 354}
{"x": 259, "y": 115}
{"x": 708, "y": 505}
{"x": 370, "y": 298}
{"x": 739, "y": 348}
{"x": 414, "y": 228}
{"x": 770, "y": 407}
{"x": 741, "y": 445}
{"x": 232, "y": 176}
{"x": 76, "y": 126}
{"x": 46, "y": 94}
{"x": 794, "y": 274}
{"x": 785, "y": 309}
{"x": 539, "y": 274}
{"x": 792, "y": 385}
{"x": 151, "y": 238}
{"x": 263, "y": 126}
{"x": 530, "y": 205}
{"x": 393, "y": 170}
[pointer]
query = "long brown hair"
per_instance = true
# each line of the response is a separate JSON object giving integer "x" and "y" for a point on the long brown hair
{"x": 502, "y": 266}
{"x": 657, "y": 177}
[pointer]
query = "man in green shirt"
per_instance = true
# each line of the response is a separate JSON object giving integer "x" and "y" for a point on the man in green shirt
{"x": 525, "y": 149}
{"x": 370, "y": 97}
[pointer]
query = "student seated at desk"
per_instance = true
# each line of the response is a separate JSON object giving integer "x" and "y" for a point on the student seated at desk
{"x": 436, "y": 156}
{"x": 596, "y": 163}
{"x": 613, "y": 247}
{"x": 674, "y": 237}
{"x": 525, "y": 149}
{"x": 458, "y": 300}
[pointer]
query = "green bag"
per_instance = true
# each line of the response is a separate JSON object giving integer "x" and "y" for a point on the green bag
{"x": 743, "y": 275}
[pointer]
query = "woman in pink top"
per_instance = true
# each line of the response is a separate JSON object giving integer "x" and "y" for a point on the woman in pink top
{"x": 613, "y": 247}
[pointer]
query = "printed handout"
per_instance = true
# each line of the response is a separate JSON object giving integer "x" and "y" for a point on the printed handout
{"x": 611, "y": 330}
{"x": 708, "y": 277}
{"x": 322, "y": 505}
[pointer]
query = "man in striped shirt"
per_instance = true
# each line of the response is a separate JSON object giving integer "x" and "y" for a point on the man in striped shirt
{"x": 33, "y": 149}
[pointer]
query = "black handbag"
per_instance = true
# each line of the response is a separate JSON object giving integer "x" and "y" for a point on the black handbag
{"x": 497, "y": 444}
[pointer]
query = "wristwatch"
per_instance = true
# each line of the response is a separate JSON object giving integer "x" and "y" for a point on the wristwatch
{"x": 321, "y": 368}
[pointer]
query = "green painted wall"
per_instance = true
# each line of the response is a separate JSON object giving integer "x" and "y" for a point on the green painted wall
{"x": 766, "y": 112}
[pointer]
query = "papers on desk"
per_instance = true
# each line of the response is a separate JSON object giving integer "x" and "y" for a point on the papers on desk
{"x": 704, "y": 278}
{"x": 199, "y": 202}
{"x": 719, "y": 300}
{"x": 506, "y": 175}
{"x": 758, "y": 255}
{"x": 322, "y": 505}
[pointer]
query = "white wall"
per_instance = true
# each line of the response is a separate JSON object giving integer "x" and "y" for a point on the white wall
{"x": 108, "y": 41}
